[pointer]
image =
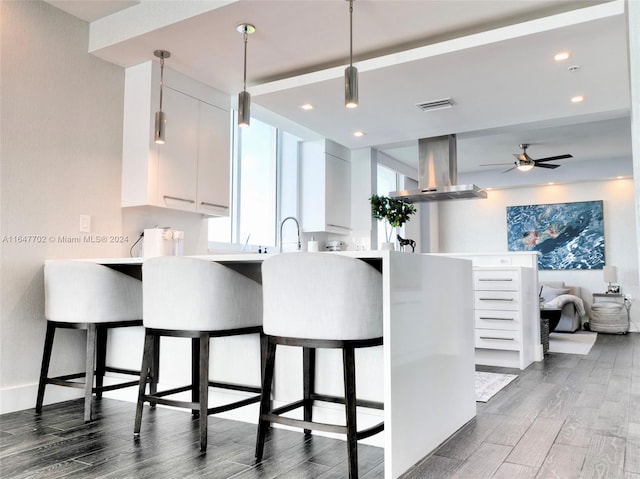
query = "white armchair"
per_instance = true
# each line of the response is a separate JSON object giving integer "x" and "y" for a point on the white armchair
{"x": 571, "y": 317}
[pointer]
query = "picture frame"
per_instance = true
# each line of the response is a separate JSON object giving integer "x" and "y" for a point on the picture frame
{"x": 568, "y": 236}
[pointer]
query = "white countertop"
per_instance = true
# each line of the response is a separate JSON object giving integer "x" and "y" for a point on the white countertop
{"x": 240, "y": 257}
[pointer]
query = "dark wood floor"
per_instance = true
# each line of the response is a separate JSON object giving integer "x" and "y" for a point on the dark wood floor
{"x": 567, "y": 417}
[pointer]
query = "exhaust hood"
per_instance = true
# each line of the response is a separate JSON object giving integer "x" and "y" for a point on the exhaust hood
{"x": 438, "y": 173}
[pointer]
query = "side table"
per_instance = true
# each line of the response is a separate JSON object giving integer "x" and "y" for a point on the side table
{"x": 610, "y": 314}
{"x": 553, "y": 315}
{"x": 549, "y": 319}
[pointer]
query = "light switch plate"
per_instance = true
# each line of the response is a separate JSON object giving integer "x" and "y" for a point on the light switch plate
{"x": 85, "y": 224}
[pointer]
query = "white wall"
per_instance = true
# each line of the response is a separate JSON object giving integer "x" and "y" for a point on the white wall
{"x": 480, "y": 226}
{"x": 61, "y": 157}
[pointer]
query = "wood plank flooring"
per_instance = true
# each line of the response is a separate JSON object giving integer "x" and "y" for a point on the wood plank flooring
{"x": 566, "y": 417}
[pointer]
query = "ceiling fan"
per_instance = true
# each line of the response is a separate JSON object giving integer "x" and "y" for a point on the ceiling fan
{"x": 524, "y": 162}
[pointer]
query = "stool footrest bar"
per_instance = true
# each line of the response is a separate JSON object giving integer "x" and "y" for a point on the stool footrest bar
{"x": 233, "y": 405}
{"x": 320, "y": 426}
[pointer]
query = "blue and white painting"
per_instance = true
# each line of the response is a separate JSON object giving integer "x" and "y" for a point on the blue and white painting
{"x": 567, "y": 235}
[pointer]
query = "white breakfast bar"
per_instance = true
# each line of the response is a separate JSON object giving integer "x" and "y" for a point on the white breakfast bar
{"x": 427, "y": 360}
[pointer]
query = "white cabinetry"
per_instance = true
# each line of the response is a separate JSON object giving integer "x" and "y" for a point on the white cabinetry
{"x": 505, "y": 331}
{"x": 191, "y": 170}
{"x": 326, "y": 187}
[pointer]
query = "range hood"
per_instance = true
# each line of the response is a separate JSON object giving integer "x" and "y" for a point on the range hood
{"x": 438, "y": 173}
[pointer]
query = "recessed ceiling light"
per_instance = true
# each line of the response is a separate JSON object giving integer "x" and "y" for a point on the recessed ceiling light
{"x": 577, "y": 99}
{"x": 359, "y": 133}
{"x": 620, "y": 177}
{"x": 562, "y": 56}
{"x": 551, "y": 183}
{"x": 307, "y": 106}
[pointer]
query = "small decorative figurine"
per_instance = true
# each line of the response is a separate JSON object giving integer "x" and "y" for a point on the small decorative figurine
{"x": 406, "y": 242}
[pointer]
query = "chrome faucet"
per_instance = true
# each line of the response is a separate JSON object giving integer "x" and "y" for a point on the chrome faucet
{"x": 297, "y": 227}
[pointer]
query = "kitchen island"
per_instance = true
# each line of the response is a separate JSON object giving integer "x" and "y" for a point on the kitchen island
{"x": 424, "y": 372}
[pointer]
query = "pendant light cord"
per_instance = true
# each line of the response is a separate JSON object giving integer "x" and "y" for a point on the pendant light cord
{"x": 350, "y": 33}
{"x": 244, "y": 81}
{"x": 161, "y": 79}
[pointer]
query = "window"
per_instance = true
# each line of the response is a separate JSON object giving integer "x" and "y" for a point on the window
{"x": 255, "y": 201}
{"x": 388, "y": 180}
{"x": 264, "y": 186}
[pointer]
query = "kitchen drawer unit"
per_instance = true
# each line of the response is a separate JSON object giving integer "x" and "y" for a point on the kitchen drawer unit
{"x": 500, "y": 280}
{"x": 498, "y": 339}
{"x": 501, "y": 300}
{"x": 505, "y": 333}
{"x": 497, "y": 319}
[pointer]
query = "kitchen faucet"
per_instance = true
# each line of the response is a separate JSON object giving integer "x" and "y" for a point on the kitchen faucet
{"x": 297, "y": 227}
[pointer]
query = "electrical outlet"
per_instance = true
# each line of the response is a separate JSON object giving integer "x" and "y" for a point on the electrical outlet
{"x": 85, "y": 224}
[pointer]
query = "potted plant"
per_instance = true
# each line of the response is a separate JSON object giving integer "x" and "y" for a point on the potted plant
{"x": 394, "y": 212}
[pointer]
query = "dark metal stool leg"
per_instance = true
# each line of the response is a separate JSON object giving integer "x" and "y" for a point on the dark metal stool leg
{"x": 147, "y": 358}
{"x": 265, "y": 401}
{"x": 46, "y": 359}
{"x": 195, "y": 373}
{"x": 204, "y": 389}
{"x": 89, "y": 369}
{"x": 155, "y": 368}
{"x": 264, "y": 346}
{"x": 350, "y": 410}
{"x": 309, "y": 381}
{"x": 101, "y": 359}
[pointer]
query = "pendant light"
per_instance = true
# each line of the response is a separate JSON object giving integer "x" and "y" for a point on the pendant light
{"x": 244, "y": 98}
{"x": 161, "y": 119}
{"x": 351, "y": 72}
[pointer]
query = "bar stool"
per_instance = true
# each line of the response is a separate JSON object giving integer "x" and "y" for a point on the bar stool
{"x": 197, "y": 299}
{"x": 95, "y": 298}
{"x": 314, "y": 301}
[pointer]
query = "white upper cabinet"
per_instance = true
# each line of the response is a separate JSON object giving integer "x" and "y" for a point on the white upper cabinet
{"x": 326, "y": 187}
{"x": 190, "y": 171}
{"x": 213, "y": 169}
{"x": 178, "y": 157}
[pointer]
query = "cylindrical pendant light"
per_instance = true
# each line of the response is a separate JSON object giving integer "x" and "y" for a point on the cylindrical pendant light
{"x": 244, "y": 98}
{"x": 161, "y": 119}
{"x": 351, "y": 72}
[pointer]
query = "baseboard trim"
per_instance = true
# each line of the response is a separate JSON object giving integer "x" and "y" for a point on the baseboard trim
{"x": 24, "y": 397}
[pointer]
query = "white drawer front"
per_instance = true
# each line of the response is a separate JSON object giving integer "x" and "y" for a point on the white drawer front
{"x": 506, "y": 280}
{"x": 497, "y": 339}
{"x": 496, "y": 300}
{"x": 497, "y": 319}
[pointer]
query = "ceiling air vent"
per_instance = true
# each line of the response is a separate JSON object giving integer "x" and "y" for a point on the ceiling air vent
{"x": 435, "y": 104}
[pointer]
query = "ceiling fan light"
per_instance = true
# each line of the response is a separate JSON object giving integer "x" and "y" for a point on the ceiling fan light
{"x": 524, "y": 166}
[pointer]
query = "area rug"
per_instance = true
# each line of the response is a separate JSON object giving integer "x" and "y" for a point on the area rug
{"x": 579, "y": 342}
{"x": 488, "y": 384}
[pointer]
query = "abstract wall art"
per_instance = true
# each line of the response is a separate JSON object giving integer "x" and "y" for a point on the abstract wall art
{"x": 567, "y": 235}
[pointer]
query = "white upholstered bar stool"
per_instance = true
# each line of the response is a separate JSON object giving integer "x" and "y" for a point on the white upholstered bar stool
{"x": 320, "y": 300}
{"x": 95, "y": 298}
{"x": 197, "y": 299}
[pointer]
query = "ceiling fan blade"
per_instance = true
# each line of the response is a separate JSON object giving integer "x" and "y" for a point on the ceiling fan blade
{"x": 544, "y": 165}
{"x": 512, "y": 168}
{"x": 551, "y": 158}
